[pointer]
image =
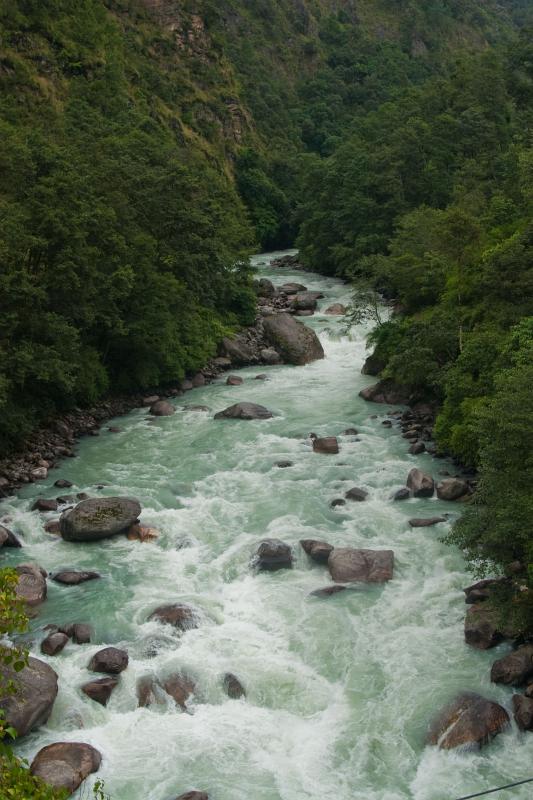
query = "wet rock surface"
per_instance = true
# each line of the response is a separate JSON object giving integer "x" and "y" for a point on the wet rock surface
{"x": 469, "y": 720}
{"x": 65, "y": 765}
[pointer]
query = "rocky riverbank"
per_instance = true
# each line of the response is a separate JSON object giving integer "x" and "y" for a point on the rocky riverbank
{"x": 269, "y": 341}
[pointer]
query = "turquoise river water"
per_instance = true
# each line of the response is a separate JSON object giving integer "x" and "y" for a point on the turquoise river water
{"x": 340, "y": 690}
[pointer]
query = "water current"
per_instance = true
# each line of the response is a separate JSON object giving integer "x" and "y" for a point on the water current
{"x": 340, "y": 690}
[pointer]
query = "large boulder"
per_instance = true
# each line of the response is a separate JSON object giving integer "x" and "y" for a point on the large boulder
{"x": 348, "y": 564}
{"x": 523, "y": 712}
{"x": 304, "y": 301}
{"x": 451, "y": 489}
{"x": 31, "y": 706}
{"x": 420, "y": 484}
{"x": 482, "y": 627}
{"x": 514, "y": 669}
{"x": 296, "y": 343}
{"x": 292, "y": 288}
{"x": 99, "y": 518}
{"x": 8, "y": 538}
{"x": 482, "y": 590}
{"x": 31, "y": 586}
{"x": 317, "y": 550}
{"x": 273, "y": 554}
{"x": 100, "y": 690}
{"x": 264, "y": 288}
{"x": 162, "y": 408}
{"x": 238, "y": 350}
{"x": 54, "y": 643}
{"x": 469, "y": 720}
{"x": 64, "y": 765}
{"x": 244, "y": 411}
{"x": 179, "y": 615}
{"x": 386, "y": 392}
{"x": 111, "y": 660}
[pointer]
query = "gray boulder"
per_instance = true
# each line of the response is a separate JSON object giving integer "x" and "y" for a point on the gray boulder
{"x": 8, "y": 538}
{"x": 304, "y": 301}
{"x": 386, "y": 392}
{"x": 72, "y": 577}
{"x": 65, "y": 765}
{"x": 100, "y": 690}
{"x": 273, "y": 554}
{"x": 295, "y": 342}
{"x": 238, "y": 350}
{"x": 451, "y": 489}
{"x": 244, "y": 411}
{"x": 356, "y": 494}
{"x": 162, "y": 408}
{"x": 470, "y": 720}
{"x": 99, "y": 518}
{"x": 420, "y": 484}
{"x": 31, "y": 706}
{"x": 270, "y": 356}
{"x": 348, "y": 564}
{"x": 292, "y": 288}
{"x": 336, "y": 310}
{"x": 31, "y": 586}
{"x": 54, "y": 643}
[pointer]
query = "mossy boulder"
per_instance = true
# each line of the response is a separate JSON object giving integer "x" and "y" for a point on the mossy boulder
{"x": 99, "y": 518}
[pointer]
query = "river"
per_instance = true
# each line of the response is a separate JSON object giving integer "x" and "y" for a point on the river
{"x": 340, "y": 690}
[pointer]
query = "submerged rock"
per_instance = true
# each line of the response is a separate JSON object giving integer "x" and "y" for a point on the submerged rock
{"x": 31, "y": 706}
{"x": 356, "y": 494}
{"x": 348, "y": 564}
{"x": 470, "y": 720}
{"x": 327, "y": 591}
{"x": 245, "y": 411}
{"x": 65, "y": 765}
{"x": 179, "y": 615}
{"x": 233, "y": 687}
{"x": 419, "y": 522}
{"x": 273, "y": 554}
{"x": 100, "y": 518}
{"x": 514, "y": 669}
{"x": 180, "y": 688}
{"x": 337, "y": 310}
{"x": 295, "y": 342}
{"x": 73, "y": 577}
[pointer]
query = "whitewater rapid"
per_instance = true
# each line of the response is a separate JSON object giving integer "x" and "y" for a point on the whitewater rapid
{"x": 340, "y": 690}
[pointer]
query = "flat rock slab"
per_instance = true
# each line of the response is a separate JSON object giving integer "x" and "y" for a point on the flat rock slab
{"x": 99, "y": 518}
{"x": 469, "y": 720}
{"x": 73, "y": 577}
{"x": 245, "y": 411}
{"x": 419, "y": 522}
{"x": 65, "y": 765}
{"x": 348, "y": 564}
{"x": 32, "y": 705}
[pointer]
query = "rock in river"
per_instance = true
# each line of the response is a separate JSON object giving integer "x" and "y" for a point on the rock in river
{"x": 233, "y": 687}
{"x": 72, "y": 577}
{"x": 470, "y": 720}
{"x": 180, "y": 688}
{"x": 420, "y": 522}
{"x": 356, "y": 494}
{"x": 244, "y": 411}
{"x": 370, "y": 566}
{"x": 54, "y": 643}
{"x": 64, "y": 765}
{"x": 317, "y": 550}
{"x": 179, "y": 615}
{"x": 110, "y": 660}
{"x": 99, "y": 518}
{"x": 514, "y": 669}
{"x": 100, "y": 690}
{"x": 32, "y": 705}
{"x": 523, "y": 712}
{"x": 326, "y": 444}
{"x": 162, "y": 408}
{"x": 31, "y": 586}
{"x": 296, "y": 343}
{"x": 451, "y": 489}
{"x": 420, "y": 484}
{"x": 273, "y": 554}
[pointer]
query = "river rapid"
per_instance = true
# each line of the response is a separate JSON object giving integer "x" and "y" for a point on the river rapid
{"x": 340, "y": 690}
